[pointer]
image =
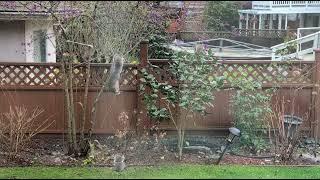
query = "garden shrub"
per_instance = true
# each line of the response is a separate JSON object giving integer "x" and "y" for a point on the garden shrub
{"x": 191, "y": 95}
{"x": 250, "y": 107}
{"x": 158, "y": 46}
{"x": 18, "y": 127}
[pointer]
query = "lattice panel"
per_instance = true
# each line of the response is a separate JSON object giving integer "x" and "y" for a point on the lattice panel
{"x": 50, "y": 75}
{"x": 162, "y": 73}
{"x": 267, "y": 73}
{"x": 129, "y": 77}
{"x": 29, "y": 75}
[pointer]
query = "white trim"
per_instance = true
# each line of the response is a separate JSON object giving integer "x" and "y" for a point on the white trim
{"x": 283, "y": 11}
{"x": 308, "y": 28}
{"x": 260, "y": 21}
{"x": 240, "y": 21}
{"x": 301, "y": 20}
{"x": 299, "y": 52}
{"x": 254, "y": 22}
{"x": 247, "y": 21}
{"x": 286, "y": 22}
{"x": 271, "y": 21}
{"x": 287, "y": 7}
{"x": 279, "y": 21}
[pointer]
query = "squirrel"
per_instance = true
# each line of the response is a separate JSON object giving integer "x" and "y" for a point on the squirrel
{"x": 115, "y": 71}
{"x": 118, "y": 163}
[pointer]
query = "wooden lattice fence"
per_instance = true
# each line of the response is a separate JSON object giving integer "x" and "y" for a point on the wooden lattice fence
{"x": 49, "y": 75}
{"x": 38, "y": 84}
{"x": 286, "y": 77}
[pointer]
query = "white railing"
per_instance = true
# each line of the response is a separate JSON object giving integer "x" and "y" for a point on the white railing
{"x": 284, "y": 4}
{"x": 302, "y": 46}
{"x": 261, "y": 4}
{"x": 301, "y": 32}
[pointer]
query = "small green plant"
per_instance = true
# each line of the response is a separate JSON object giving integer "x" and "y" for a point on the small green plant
{"x": 90, "y": 156}
{"x": 290, "y": 48}
{"x": 250, "y": 108}
{"x": 88, "y": 161}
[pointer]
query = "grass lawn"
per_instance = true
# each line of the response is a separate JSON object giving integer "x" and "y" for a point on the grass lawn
{"x": 174, "y": 171}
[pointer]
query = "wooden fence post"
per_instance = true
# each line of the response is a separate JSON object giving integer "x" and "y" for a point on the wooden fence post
{"x": 142, "y": 120}
{"x": 315, "y": 93}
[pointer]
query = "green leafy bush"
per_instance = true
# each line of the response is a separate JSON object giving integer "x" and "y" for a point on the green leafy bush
{"x": 251, "y": 106}
{"x": 192, "y": 94}
{"x": 158, "y": 46}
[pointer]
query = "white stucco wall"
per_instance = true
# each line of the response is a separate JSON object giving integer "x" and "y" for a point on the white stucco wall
{"x": 12, "y": 40}
{"x": 34, "y": 25}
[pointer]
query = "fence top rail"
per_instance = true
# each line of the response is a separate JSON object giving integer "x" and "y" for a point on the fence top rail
{"x": 58, "y": 64}
{"x": 162, "y": 61}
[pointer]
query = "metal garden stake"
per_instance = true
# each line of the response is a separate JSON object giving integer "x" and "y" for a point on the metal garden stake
{"x": 233, "y": 133}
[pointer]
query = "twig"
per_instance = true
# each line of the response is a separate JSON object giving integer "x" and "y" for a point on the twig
{"x": 89, "y": 45}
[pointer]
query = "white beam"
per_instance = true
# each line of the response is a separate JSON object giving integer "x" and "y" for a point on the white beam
{"x": 286, "y": 22}
{"x": 254, "y": 22}
{"x": 240, "y": 21}
{"x": 247, "y": 21}
{"x": 301, "y": 20}
{"x": 260, "y": 21}
{"x": 270, "y": 21}
{"x": 279, "y": 21}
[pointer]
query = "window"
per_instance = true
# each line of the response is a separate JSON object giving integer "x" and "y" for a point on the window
{"x": 39, "y": 46}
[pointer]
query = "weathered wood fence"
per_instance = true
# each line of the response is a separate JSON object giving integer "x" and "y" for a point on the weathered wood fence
{"x": 35, "y": 84}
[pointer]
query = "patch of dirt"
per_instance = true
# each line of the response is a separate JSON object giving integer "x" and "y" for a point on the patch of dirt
{"x": 51, "y": 151}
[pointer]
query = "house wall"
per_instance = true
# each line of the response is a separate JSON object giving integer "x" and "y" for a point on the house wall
{"x": 34, "y": 25}
{"x": 12, "y": 40}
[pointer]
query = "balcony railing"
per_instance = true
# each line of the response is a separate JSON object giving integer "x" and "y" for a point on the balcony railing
{"x": 285, "y": 4}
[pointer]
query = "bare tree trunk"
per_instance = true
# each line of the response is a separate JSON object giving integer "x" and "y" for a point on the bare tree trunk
{"x": 85, "y": 102}
{"x": 179, "y": 126}
{"x": 181, "y": 135}
{"x": 72, "y": 113}
{"x": 67, "y": 100}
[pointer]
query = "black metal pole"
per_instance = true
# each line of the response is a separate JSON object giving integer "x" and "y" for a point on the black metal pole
{"x": 224, "y": 151}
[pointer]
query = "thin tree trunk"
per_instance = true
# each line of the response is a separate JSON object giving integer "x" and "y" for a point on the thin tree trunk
{"x": 85, "y": 102}
{"x": 179, "y": 143}
{"x": 67, "y": 100}
{"x": 72, "y": 113}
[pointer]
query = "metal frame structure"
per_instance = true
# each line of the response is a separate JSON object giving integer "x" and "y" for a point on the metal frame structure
{"x": 228, "y": 49}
